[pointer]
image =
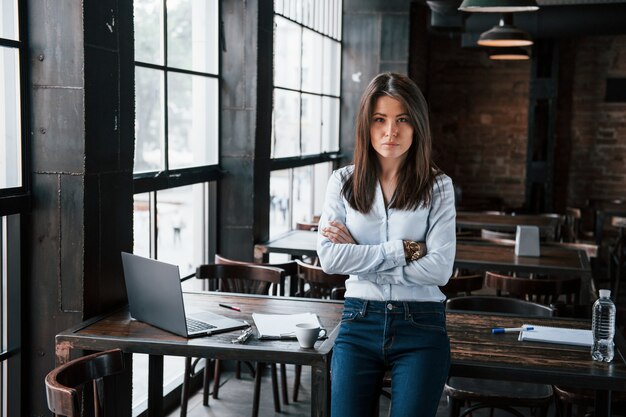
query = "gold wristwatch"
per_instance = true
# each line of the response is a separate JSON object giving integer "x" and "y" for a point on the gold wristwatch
{"x": 412, "y": 250}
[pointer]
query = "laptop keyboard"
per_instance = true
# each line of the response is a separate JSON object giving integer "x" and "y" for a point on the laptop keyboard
{"x": 194, "y": 326}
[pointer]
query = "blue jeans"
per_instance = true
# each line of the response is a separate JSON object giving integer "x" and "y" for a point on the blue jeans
{"x": 409, "y": 338}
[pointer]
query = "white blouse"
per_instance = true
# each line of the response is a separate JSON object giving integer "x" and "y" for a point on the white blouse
{"x": 376, "y": 265}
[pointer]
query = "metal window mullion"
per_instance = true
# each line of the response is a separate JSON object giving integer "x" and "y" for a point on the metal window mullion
{"x": 300, "y": 118}
{"x": 154, "y": 227}
{"x": 165, "y": 93}
{"x": 291, "y": 202}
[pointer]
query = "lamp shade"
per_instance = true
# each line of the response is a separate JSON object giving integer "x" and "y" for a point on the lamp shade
{"x": 509, "y": 54}
{"x": 505, "y": 34}
{"x": 498, "y": 6}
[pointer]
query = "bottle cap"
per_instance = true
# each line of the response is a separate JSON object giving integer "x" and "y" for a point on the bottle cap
{"x": 605, "y": 293}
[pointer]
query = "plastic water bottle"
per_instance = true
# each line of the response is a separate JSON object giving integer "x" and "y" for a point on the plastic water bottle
{"x": 603, "y": 327}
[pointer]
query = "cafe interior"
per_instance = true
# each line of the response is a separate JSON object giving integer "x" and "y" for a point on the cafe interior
{"x": 204, "y": 132}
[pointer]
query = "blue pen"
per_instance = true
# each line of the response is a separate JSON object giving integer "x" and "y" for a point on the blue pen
{"x": 497, "y": 330}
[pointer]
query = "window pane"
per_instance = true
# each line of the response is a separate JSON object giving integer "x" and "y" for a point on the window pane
{"x": 286, "y": 124}
{"x": 332, "y": 67}
{"x": 320, "y": 180}
{"x": 182, "y": 235}
{"x": 279, "y": 202}
{"x": 8, "y": 20}
{"x": 302, "y": 195}
{"x": 141, "y": 225}
{"x": 173, "y": 370}
{"x": 192, "y": 120}
{"x": 330, "y": 124}
{"x": 149, "y": 131}
{"x": 278, "y": 6}
{"x": 149, "y": 31}
{"x": 192, "y": 29}
{"x": 311, "y": 124}
{"x": 311, "y": 61}
{"x": 286, "y": 53}
{"x": 10, "y": 126}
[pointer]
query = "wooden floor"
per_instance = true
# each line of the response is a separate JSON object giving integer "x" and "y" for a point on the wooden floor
{"x": 236, "y": 400}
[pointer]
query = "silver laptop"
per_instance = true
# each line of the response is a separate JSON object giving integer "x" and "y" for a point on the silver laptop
{"x": 155, "y": 296}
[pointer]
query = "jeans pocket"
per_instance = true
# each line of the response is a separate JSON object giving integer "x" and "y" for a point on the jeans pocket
{"x": 433, "y": 321}
{"x": 349, "y": 315}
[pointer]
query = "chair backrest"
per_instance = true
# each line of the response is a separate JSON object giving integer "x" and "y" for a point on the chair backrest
{"x": 290, "y": 267}
{"x": 312, "y": 226}
{"x": 245, "y": 279}
{"x": 503, "y": 305}
{"x": 65, "y": 384}
{"x": 541, "y": 290}
{"x": 321, "y": 284}
{"x": 462, "y": 284}
{"x": 491, "y": 234}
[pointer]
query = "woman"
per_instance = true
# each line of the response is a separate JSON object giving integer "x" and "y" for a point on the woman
{"x": 389, "y": 222}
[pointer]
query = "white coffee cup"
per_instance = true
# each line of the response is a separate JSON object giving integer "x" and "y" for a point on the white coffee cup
{"x": 308, "y": 333}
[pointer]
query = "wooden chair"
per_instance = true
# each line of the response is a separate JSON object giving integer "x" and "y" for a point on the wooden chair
{"x": 291, "y": 271}
{"x": 290, "y": 268}
{"x": 313, "y": 227}
{"x": 548, "y": 291}
{"x": 486, "y": 393}
{"x": 583, "y": 399}
{"x": 321, "y": 285}
{"x": 246, "y": 279}
{"x": 617, "y": 256}
{"x": 65, "y": 384}
{"x": 462, "y": 284}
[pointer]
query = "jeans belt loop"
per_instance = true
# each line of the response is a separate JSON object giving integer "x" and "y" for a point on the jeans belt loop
{"x": 407, "y": 310}
{"x": 364, "y": 308}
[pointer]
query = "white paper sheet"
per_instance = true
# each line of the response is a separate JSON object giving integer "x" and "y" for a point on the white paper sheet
{"x": 281, "y": 326}
{"x": 566, "y": 336}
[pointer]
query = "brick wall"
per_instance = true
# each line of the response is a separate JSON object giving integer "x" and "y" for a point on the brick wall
{"x": 479, "y": 115}
{"x": 598, "y": 129}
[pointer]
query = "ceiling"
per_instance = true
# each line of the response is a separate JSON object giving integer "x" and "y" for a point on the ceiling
{"x": 554, "y": 19}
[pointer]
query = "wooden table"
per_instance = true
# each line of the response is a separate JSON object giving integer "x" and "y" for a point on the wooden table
{"x": 548, "y": 226}
{"x": 475, "y": 254}
{"x": 294, "y": 243}
{"x": 475, "y": 351}
{"x": 117, "y": 330}
{"x": 478, "y": 353}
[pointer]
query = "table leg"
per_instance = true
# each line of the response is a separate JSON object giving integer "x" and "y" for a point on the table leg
{"x": 602, "y": 404}
{"x": 155, "y": 386}
{"x": 320, "y": 390}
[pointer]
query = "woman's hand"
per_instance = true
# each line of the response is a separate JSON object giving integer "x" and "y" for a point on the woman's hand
{"x": 337, "y": 233}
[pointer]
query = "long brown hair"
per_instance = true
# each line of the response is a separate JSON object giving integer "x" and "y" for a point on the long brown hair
{"x": 418, "y": 171}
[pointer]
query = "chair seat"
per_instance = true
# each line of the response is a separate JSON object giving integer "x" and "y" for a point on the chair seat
{"x": 584, "y": 396}
{"x": 497, "y": 392}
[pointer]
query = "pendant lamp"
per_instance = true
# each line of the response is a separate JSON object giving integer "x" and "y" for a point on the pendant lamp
{"x": 505, "y": 34}
{"x": 499, "y": 6}
{"x": 509, "y": 54}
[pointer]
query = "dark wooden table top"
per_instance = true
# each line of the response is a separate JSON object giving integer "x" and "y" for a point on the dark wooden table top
{"x": 553, "y": 260}
{"x": 294, "y": 242}
{"x": 478, "y": 353}
{"x": 506, "y": 222}
{"x": 119, "y": 330}
{"x": 475, "y": 351}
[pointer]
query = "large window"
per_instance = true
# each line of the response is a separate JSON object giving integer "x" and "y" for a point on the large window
{"x": 14, "y": 187}
{"x": 176, "y": 145}
{"x": 306, "y": 107}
